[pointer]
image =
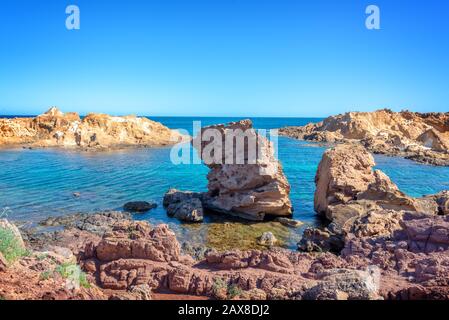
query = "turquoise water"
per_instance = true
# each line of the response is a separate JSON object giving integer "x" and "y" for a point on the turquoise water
{"x": 35, "y": 184}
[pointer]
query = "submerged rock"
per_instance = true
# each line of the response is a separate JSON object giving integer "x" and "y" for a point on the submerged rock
{"x": 139, "y": 206}
{"x": 289, "y": 222}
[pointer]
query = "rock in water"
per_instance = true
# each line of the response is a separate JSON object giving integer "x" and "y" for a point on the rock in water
{"x": 185, "y": 206}
{"x": 289, "y": 222}
{"x": 346, "y": 183}
{"x": 189, "y": 210}
{"x": 139, "y": 206}
{"x": 245, "y": 178}
{"x": 343, "y": 172}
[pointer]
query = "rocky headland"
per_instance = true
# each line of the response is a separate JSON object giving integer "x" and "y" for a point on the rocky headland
{"x": 92, "y": 132}
{"x": 422, "y": 137}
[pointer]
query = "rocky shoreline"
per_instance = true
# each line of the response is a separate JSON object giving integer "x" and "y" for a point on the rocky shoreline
{"x": 380, "y": 244}
{"x": 421, "y": 137}
{"x": 95, "y": 132}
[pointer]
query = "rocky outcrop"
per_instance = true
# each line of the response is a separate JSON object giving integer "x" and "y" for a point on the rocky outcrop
{"x": 245, "y": 178}
{"x": 409, "y": 251}
{"x": 347, "y": 185}
{"x": 95, "y": 131}
{"x": 343, "y": 172}
{"x": 442, "y": 200}
{"x": 358, "y": 200}
{"x": 423, "y": 137}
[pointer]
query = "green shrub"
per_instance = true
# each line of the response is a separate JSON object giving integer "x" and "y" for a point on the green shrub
{"x": 234, "y": 291}
{"x": 219, "y": 284}
{"x": 10, "y": 246}
{"x": 73, "y": 271}
{"x": 45, "y": 275}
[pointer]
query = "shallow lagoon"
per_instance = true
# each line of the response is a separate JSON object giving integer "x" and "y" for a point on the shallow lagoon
{"x": 36, "y": 184}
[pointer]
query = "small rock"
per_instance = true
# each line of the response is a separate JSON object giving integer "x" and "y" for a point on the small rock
{"x": 141, "y": 292}
{"x": 267, "y": 239}
{"x": 139, "y": 206}
{"x": 3, "y": 263}
{"x": 316, "y": 240}
{"x": 189, "y": 210}
{"x": 289, "y": 222}
{"x": 185, "y": 206}
{"x": 442, "y": 200}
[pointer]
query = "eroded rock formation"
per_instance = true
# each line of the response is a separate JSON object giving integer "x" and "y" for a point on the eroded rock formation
{"x": 250, "y": 188}
{"x": 360, "y": 201}
{"x": 423, "y": 137}
{"x": 95, "y": 131}
{"x": 245, "y": 178}
{"x": 347, "y": 183}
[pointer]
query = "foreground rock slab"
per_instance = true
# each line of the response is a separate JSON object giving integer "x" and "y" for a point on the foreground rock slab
{"x": 387, "y": 255}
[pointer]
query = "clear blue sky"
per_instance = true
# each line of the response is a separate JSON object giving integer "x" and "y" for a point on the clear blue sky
{"x": 223, "y": 57}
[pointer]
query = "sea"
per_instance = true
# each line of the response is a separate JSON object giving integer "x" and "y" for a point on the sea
{"x": 38, "y": 183}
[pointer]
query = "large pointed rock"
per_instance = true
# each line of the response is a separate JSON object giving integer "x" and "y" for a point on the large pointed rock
{"x": 343, "y": 173}
{"x": 245, "y": 178}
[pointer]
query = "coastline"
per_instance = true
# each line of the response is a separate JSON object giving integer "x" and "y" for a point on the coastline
{"x": 327, "y": 261}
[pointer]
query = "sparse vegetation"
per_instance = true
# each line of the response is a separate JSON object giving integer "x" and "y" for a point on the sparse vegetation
{"x": 45, "y": 275}
{"x": 41, "y": 256}
{"x": 10, "y": 246}
{"x": 234, "y": 291}
{"x": 219, "y": 289}
{"x": 73, "y": 271}
{"x": 222, "y": 290}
